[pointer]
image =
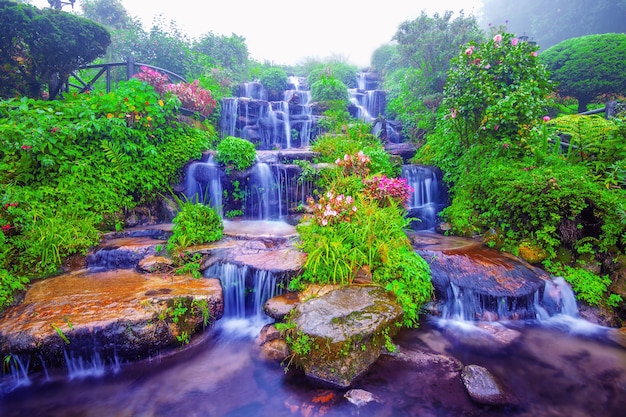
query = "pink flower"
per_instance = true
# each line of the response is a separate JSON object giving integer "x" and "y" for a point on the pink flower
{"x": 534, "y": 53}
{"x": 453, "y": 113}
{"x": 487, "y": 66}
{"x": 514, "y": 41}
{"x": 496, "y": 127}
{"x": 506, "y": 145}
{"x": 497, "y": 38}
{"x": 469, "y": 51}
{"x": 546, "y": 118}
{"x": 26, "y": 147}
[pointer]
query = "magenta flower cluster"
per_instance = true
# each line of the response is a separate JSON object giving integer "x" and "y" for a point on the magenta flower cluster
{"x": 382, "y": 187}
{"x": 191, "y": 95}
{"x": 331, "y": 209}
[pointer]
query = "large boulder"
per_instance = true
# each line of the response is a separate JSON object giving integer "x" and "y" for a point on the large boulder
{"x": 117, "y": 315}
{"x": 344, "y": 332}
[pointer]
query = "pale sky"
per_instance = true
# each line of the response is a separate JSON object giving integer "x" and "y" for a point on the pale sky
{"x": 286, "y": 31}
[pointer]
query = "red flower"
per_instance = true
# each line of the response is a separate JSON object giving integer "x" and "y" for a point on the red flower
{"x": 54, "y": 129}
{"x": 6, "y": 227}
{"x": 26, "y": 147}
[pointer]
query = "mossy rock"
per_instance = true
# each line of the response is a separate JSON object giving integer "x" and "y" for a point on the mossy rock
{"x": 531, "y": 253}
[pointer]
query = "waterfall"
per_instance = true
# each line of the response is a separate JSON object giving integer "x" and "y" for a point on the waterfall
{"x": 263, "y": 194}
{"x": 203, "y": 184}
{"x": 554, "y": 300}
{"x": 229, "y": 115}
{"x": 429, "y": 195}
{"x": 245, "y": 292}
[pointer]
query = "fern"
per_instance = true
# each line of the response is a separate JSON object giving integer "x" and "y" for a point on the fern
{"x": 587, "y": 134}
{"x": 115, "y": 155}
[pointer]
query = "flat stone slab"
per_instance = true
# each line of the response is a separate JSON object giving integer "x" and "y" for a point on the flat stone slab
{"x": 122, "y": 312}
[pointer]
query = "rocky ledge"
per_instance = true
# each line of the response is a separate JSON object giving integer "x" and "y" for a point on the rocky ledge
{"x": 118, "y": 315}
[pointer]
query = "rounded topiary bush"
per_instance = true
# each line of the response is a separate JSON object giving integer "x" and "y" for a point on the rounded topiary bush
{"x": 236, "y": 153}
{"x": 329, "y": 89}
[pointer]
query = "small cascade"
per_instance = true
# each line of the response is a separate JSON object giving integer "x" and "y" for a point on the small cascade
{"x": 245, "y": 292}
{"x": 429, "y": 195}
{"x": 263, "y": 195}
{"x": 18, "y": 374}
{"x": 203, "y": 183}
{"x": 79, "y": 367}
{"x": 253, "y": 90}
{"x": 554, "y": 298}
{"x": 229, "y": 112}
{"x": 275, "y": 127}
{"x": 300, "y": 111}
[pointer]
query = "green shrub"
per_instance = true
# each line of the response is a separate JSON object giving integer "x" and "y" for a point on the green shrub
{"x": 329, "y": 89}
{"x": 236, "y": 153}
{"x": 274, "y": 79}
{"x": 193, "y": 225}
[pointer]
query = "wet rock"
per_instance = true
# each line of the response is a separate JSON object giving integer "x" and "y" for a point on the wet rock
{"x": 618, "y": 336}
{"x": 483, "y": 387}
{"x": 154, "y": 263}
{"x": 346, "y": 330}
{"x": 121, "y": 314}
{"x": 492, "y": 338}
{"x": 278, "y": 307}
{"x": 361, "y": 397}
{"x": 270, "y": 345}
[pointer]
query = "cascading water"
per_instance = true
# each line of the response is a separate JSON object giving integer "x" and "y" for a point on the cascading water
{"x": 203, "y": 183}
{"x": 263, "y": 195}
{"x": 429, "y": 195}
{"x": 245, "y": 292}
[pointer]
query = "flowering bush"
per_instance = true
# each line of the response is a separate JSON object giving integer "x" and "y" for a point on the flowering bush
{"x": 191, "y": 95}
{"x": 159, "y": 81}
{"x": 331, "y": 209}
{"x": 357, "y": 164}
{"x": 496, "y": 91}
{"x": 382, "y": 188}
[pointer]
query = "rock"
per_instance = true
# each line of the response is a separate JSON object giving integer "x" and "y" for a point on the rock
{"x": 618, "y": 336}
{"x": 492, "y": 284}
{"x": 271, "y": 346}
{"x": 278, "y": 307}
{"x": 345, "y": 331}
{"x": 492, "y": 338}
{"x": 483, "y": 387}
{"x": 361, "y": 397}
{"x": 152, "y": 263}
{"x": 121, "y": 315}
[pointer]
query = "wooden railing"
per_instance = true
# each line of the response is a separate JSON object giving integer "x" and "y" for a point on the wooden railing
{"x": 75, "y": 81}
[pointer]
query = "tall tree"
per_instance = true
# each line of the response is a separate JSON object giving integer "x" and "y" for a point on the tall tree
{"x": 228, "y": 52}
{"x": 42, "y": 44}
{"x": 588, "y": 66}
{"x": 429, "y": 43}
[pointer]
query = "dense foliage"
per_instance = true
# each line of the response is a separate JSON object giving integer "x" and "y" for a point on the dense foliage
{"x": 514, "y": 181}
{"x": 588, "y": 67}
{"x": 424, "y": 47}
{"x": 70, "y": 168}
{"x": 194, "y": 224}
{"x": 236, "y": 153}
{"x": 357, "y": 228}
{"x": 36, "y": 45}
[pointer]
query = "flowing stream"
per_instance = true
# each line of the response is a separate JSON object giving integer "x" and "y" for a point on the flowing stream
{"x": 560, "y": 365}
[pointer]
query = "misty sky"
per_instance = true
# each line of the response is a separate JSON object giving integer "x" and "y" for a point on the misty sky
{"x": 285, "y": 32}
